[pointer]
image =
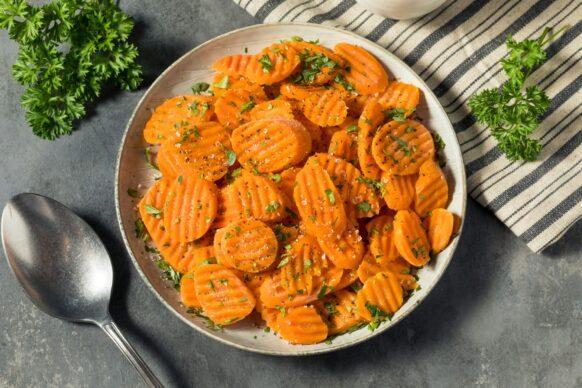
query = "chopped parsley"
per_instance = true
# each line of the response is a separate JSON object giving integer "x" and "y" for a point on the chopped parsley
{"x": 330, "y": 196}
{"x": 154, "y": 211}
{"x": 312, "y": 65}
{"x": 339, "y": 78}
{"x": 370, "y": 182}
{"x": 396, "y": 114}
{"x": 353, "y": 128}
{"x": 272, "y": 207}
{"x": 266, "y": 63}
{"x": 169, "y": 273}
{"x": 200, "y": 87}
{"x": 364, "y": 206}
{"x": 378, "y": 316}
{"x": 133, "y": 193}
{"x": 141, "y": 231}
{"x": 223, "y": 83}
{"x": 247, "y": 106}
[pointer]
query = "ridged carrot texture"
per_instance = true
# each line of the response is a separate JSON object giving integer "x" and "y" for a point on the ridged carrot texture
{"x": 371, "y": 266}
{"x": 177, "y": 112}
{"x": 319, "y": 65}
{"x": 274, "y": 294}
{"x": 381, "y": 296}
{"x": 188, "y": 291}
{"x": 301, "y": 265}
{"x": 253, "y": 281}
{"x": 353, "y": 188}
{"x": 222, "y": 83}
{"x": 269, "y": 315}
{"x": 356, "y": 104}
{"x": 202, "y": 148}
{"x": 401, "y": 96}
{"x": 271, "y": 145}
{"x": 302, "y": 325}
{"x": 380, "y": 235}
{"x": 254, "y": 196}
{"x": 234, "y": 107}
{"x": 398, "y": 190}
{"x": 272, "y": 109}
{"x": 410, "y": 238}
{"x": 344, "y": 250}
{"x": 371, "y": 118}
{"x": 273, "y": 64}
{"x": 223, "y": 296}
{"x": 364, "y": 72}
{"x": 348, "y": 278}
{"x": 318, "y": 141}
{"x": 326, "y": 109}
{"x": 432, "y": 190}
{"x": 151, "y": 212}
{"x": 319, "y": 203}
{"x": 340, "y": 311}
{"x": 439, "y": 225}
{"x": 401, "y": 147}
{"x": 249, "y": 245}
{"x": 299, "y": 92}
{"x": 195, "y": 256}
{"x": 287, "y": 182}
{"x": 344, "y": 144}
{"x": 190, "y": 207}
{"x": 286, "y": 235}
{"x": 218, "y": 250}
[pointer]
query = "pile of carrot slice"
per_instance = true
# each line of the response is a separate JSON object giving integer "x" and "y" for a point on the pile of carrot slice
{"x": 300, "y": 185}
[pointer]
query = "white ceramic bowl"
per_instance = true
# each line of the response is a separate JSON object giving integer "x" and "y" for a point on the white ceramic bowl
{"x": 133, "y": 172}
{"x": 401, "y": 9}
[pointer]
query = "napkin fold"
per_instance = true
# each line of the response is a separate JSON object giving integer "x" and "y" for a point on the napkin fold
{"x": 456, "y": 50}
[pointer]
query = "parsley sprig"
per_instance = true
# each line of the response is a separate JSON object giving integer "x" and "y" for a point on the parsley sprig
{"x": 512, "y": 112}
{"x": 68, "y": 50}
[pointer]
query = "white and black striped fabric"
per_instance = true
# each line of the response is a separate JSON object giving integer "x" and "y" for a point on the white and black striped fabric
{"x": 456, "y": 49}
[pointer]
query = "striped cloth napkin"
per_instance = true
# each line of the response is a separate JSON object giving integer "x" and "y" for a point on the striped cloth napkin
{"x": 456, "y": 49}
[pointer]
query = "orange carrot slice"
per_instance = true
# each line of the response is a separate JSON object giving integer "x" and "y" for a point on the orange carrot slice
{"x": 372, "y": 117}
{"x": 302, "y": 325}
{"x": 301, "y": 264}
{"x": 249, "y": 245}
{"x": 270, "y": 315}
{"x": 401, "y": 147}
{"x": 410, "y": 238}
{"x": 234, "y": 107}
{"x": 344, "y": 144}
{"x": 326, "y": 109}
{"x": 381, "y": 296}
{"x": 177, "y": 112}
{"x": 188, "y": 291}
{"x": 340, "y": 310}
{"x": 398, "y": 190}
{"x": 356, "y": 104}
{"x": 432, "y": 190}
{"x": 271, "y": 145}
{"x": 319, "y": 65}
{"x": 253, "y": 281}
{"x": 222, "y": 83}
{"x": 380, "y": 230}
{"x": 348, "y": 278}
{"x": 287, "y": 182}
{"x": 365, "y": 73}
{"x": 318, "y": 201}
{"x": 203, "y": 149}
{"x": 298, "y": 92}
{"x": 370, "y": 267}
{"x": 272, "y": 109}
{"x": 195, "y": 256}
{"x": 190, "y": 207}
{"x": 439, "y": 225}
{"x": 345, "y": 250}
{"x": 223, "y": 296}
{"x": 401, "y": 96}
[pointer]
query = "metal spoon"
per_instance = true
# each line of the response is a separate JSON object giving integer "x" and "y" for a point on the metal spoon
{"x": 63, "y": 266}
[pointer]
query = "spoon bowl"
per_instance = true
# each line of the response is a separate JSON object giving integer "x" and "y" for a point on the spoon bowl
{"x": 63, "y": 266}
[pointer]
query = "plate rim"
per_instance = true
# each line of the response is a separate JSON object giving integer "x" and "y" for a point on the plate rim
{"x": 311, "y": 352}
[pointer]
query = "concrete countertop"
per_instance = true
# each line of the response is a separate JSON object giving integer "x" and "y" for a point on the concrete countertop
{"x": 501, "y": 315}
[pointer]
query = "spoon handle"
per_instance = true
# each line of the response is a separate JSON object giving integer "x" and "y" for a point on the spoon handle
{"x": 128, "y": 351}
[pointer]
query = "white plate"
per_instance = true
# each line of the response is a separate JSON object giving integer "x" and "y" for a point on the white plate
{"x": 132, "y": 172}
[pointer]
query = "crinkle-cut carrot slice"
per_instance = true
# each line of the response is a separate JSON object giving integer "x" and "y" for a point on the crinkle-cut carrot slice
{"x": 249, "y": 245}
{"x": 195, "y": 256}
{"x": 318, "y": 140}
{"x": 326, "y": 109}
{"x": 233, "y": 65}
{"x": 356, "y": 104}
{"x": 254, "y": 196}
{"x": 439, "y": 224}
{"x": 340, "y": 311}
{"x": 274, "y": 294}
{"x": 269, "y": 315}
{"x": 188, "y": 291}
{"x": 169, "y": 163}
{"x": 218, "y": 251}
{"x": 410, "y": 238}
{"x": 234, "y": 107}
{"x": 401, "y": 147}
{"x": 190, "y": 207}
{"x": 380, "y": 235}
{"x": 223, "y": 218}
{"x": 223, "y": 296}
{"x": 319, "y": 65}
{"x": 177, "y": 112}
{"x": 398, "y": 190}
{"x": 286, "y": 234}
{"x": 380, "y": 297}
{"x": 432, "y": 190}
{"x": 364, "y": 72}
{"x": 344, "y": 143}
{"x": 344, "y": 250}
{"x": 287, "y": 182}
{"x": 222, "y": 83}
{"x": 273, "y": 109}
{"x": 372, "y": 117}
{"x": 402, "y": 96}
{"x": 254, "y": 281}
{"x": 349, "y": 181}
{"x": 203, "y": 148}
{"x": 302, "y": 325}
{"x": 371, "y": 266}
{"x": 271, "y": 145}
{"x": 319, "y": 203}
{"x": 298, "y": 92}
{"x": 301, "y": 264}
{"x": 348, "y": 278}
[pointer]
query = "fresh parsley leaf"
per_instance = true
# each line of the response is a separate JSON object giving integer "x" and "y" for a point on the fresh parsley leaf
{"x": 513, "y": 111}
{"x": 200, "y": 87}
{"x": 223, "y": 83}
{"x": 266, "y": 63}
{"x": 133, "y": 193}
{"x": 397, "y": 114}
{"x": 370, "y": 182}
{"x": 154, "y": 211}
{"x": 311, "y": 66}
{"x": 141, "y": 231}
{"x": 169, "y": 273}
{"x": 272, "y": 207}
{"x": 330, "y": 196}
{"x": 353, "y": 128}
{"x": 339, "y": 78}
{"x": 245, "y": 107}
{"x": 364, "y": 206}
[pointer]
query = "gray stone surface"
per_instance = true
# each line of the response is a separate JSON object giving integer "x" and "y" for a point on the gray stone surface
{"x": 501, "y": 316}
